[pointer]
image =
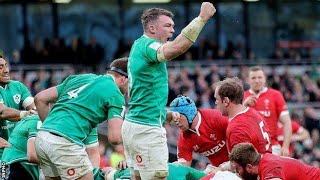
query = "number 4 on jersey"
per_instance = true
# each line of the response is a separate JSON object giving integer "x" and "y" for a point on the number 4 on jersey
{"x": 74, "y": 93}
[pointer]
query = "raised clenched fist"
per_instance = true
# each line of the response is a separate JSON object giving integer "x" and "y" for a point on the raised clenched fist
{"x": 207, "y": 11}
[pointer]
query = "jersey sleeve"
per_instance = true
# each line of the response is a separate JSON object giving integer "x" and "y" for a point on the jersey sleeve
{"x": 33, "y": 128}
{"x": 116, "y": 106}
{"x": 295, "y": 127}
{"x": 184, "y": 149}
{"x": 151, "y": 49}
{"x": 280, "y": 103}
{"x": 24, "y": 92}
{"x": 92, "y": 138}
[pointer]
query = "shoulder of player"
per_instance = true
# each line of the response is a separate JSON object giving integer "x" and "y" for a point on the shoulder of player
{"x": 15, "y": 83}
{"x": 273, "y": 91}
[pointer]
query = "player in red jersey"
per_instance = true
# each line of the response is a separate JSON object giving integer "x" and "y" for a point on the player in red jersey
{"x": 201, "y": 131}
{"x": 245, "y": 124}
{"x": 271, "y": 104}
{"x": 248, "y": 163}
{"x": 298, "y": 134}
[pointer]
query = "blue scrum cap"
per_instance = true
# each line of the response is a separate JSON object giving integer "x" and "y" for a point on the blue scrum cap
{"x": 184, "y": 105}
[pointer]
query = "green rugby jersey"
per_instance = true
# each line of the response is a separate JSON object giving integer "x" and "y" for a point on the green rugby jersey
{"x": 84, "y": 101}
{"x": 97, "y": 174}
{"x": 25, "y": 129}
{"x": 148, "y": 83}
{"x": 17, "y": 152}
{"x": 176, "y": 172}
{"x": 12, "y": 95}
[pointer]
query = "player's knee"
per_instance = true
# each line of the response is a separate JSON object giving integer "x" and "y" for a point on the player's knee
{"x": 154, "y": 175}
{"x": 161, "y": 174}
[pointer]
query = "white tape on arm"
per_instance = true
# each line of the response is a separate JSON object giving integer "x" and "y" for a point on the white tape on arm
{"x": 23, "y": 114}
{"x": 28, "y": 101}
{"x": 193, "y": 29}
{"x": 160, "y": 55}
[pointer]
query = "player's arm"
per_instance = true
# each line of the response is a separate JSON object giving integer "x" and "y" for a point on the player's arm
{"x": 92, "y": 147}
{"x": 187, "y": 36}
{"x": 94, "y": 155}
{"x": 43, "y": 100}
{"x": 184, "y": 150}
{"x": 31, "y": 151}
{"x": 287, "y": 132}
{"x": 4, "y": 143}
{"x": 114, "y": 131}
{"x": 301, "y": 135}
{"x": 11, "y": 114}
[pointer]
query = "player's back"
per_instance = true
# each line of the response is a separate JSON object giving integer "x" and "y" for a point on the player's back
{"x": 249, "y": 126}
{"x": 84, "y": 101}
{"x": 273, "y": 166}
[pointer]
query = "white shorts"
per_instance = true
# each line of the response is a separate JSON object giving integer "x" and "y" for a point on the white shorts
{"x": 146, "y": 150}
{"x": 276, "y": 149}
{"x": 60, "y": 157}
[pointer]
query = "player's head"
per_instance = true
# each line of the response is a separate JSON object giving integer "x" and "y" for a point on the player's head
{"x": 118, "y": 68}
{"x": 244, "y": 159}
{"x": 230, "y": 90}
{"x": 186, "y": 107}
{"x": 158, "y": 24}
{"x": 256, "y": 78}
{"x": 4, "y": 71}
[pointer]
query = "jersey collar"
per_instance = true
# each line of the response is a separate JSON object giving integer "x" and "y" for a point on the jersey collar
{"x": 244, "y": 111}
{"x": 197, "y": 126}
{"x": 260, "y": 92}
{"x": 5, "y": 87}
{"x": 111, "y": 77}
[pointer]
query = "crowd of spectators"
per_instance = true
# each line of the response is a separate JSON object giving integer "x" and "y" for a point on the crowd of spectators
{"x": 57, "y": 51}
{"x": 191, "y": 79}
{"x": 196, "y": 83}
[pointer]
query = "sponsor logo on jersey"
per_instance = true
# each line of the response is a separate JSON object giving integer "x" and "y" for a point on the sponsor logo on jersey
{"x": 215, "y": 149}
{"x": 155, "y": 45}
{"x": 17, "y": 98}
{"x": 265, "y": 113}
{"x": 7, "y": 126}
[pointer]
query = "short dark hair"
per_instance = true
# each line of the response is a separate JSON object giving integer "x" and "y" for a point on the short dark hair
{"x": 152, "y": 14}
{"x": 119, "y": 66}
{"x": 256, "y": 68}
{"x": 231, "y": 88}
{"x": 244, "y": 153}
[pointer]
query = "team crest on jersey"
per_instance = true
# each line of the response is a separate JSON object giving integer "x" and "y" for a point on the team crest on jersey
{"x": 266, "y": 103}
{"x": 17, "y": 98}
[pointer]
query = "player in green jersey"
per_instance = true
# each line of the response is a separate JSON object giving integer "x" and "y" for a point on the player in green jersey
{"x": 177, "y": 171}
{"x": 81, "y": 103}
{"x": 20, "y": 161}
{"x": 143, "y": 136}
{"x": 16, "y": 102}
